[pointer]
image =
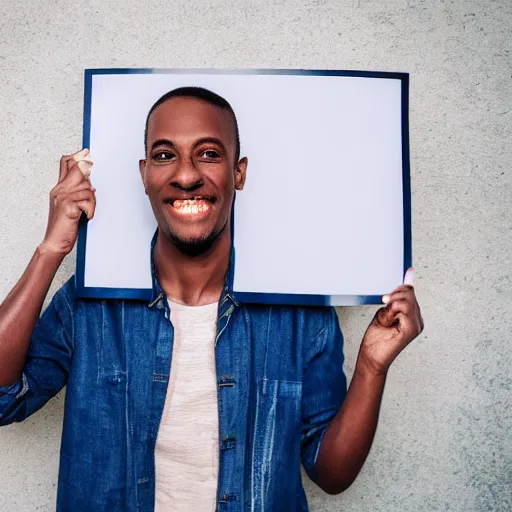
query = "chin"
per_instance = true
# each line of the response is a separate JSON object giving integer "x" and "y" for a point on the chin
{"x": 194, "y": 246}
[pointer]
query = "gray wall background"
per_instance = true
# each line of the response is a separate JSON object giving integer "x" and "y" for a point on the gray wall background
{"x": 444, "y": 440}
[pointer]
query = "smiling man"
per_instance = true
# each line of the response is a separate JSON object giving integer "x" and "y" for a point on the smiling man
{"x": 190, "y": 401}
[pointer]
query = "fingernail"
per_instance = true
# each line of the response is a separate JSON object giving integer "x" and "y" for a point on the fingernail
{"x": 385, "y": 299}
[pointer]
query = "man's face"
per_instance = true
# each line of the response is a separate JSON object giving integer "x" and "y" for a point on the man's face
{"x": 190, "y": 174}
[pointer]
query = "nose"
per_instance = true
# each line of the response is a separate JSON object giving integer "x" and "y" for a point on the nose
{"x": 186, "y": 176}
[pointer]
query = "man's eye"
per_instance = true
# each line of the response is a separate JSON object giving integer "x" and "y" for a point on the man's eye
{"x": 210, "y": 153}
{"x": 163, "y": 155}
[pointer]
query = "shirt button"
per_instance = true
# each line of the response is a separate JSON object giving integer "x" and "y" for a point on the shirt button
{"x": 227, "y": 442}
{"x": 226, "y": 382}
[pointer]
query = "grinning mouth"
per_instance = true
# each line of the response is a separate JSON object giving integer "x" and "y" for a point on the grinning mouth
{"x": 192, "y": 205}
{"x": 191, "y": 201}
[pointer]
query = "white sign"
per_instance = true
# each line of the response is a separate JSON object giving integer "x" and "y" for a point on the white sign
{"x": 324, "y": 216}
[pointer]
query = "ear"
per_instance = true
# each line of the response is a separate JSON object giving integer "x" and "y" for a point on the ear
{"x": 142, "y": 170}
{"x": 240, "y": 173}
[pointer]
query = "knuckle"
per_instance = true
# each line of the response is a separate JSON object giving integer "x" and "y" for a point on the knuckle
{"x": 381, "y": 311}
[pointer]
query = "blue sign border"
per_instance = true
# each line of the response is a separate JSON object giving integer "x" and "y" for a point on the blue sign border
{"x": 266, "y": 298}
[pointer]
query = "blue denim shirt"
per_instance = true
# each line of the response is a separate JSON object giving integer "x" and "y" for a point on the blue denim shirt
{"x": 280, "y": 382}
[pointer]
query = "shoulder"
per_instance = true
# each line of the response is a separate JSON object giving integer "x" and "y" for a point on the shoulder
{"x": 65, "y": 297}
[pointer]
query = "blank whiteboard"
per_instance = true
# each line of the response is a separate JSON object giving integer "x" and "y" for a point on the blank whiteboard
{"x": 324, "y": 217}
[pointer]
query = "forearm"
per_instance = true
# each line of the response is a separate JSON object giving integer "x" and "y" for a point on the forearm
{"x": 349, "y": 437}
{"x": 20, "y": 312}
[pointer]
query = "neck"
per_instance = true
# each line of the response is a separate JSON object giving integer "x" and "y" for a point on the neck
{"x": 192, "y": 280}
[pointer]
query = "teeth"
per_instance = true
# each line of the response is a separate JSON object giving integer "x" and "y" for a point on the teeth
{"x": 192, "y": 206}
{"x": 195, "y": 200}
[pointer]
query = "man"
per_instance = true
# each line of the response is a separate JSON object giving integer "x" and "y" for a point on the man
{"x": 252, "y": 390}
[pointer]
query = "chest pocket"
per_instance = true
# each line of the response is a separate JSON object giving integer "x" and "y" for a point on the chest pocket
{"x": 276, "y": 443}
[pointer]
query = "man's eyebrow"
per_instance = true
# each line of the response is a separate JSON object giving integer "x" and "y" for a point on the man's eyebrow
{"x": 210, "y": 140}
{"x": 163, "y": 142}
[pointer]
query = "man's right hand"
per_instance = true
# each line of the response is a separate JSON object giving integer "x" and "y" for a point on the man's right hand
{"x": 20, "y": 310}
{"x": 72, "y": 195}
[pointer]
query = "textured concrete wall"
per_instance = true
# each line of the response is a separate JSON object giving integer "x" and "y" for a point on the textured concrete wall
{"x": 444, "y": 441}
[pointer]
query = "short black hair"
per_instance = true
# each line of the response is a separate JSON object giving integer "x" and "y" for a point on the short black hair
{"x": 201, "y": 94}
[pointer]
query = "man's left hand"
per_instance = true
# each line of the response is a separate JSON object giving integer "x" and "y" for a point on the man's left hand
{"x": 393, "y": 327}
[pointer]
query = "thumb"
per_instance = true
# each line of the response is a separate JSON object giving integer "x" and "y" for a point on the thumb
{"x": 85, "y": 167}
{"x": 409, "y": 277}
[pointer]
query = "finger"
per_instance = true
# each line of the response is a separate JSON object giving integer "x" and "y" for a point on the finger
{"x": 85, "y": 168}
{"x": 405, "y": 309}
{"x": 385, "y": 317}
{"x": 61, "y": 191}
{"x": 79, "y": 155}
{"x": 410, "y": 326}
{"x": 409, "y": 277}
{"x": 389, "y": 315}
{"x": 407, "y": 294}
{"x": 400, "y": 306}
{"x": 66, "y": 162}
{"x": 88, "y": 207}
{"x": 72, "y": 205}
{"x": 63, "y": 199}
{"x": 83, "y": 185}
{"x": 84, "y": 153}
{"x": 83, "y": 162}
{"x": 399, "y": 289}
{"x": 73, "y": 177}
{"x": 80, "y": 195}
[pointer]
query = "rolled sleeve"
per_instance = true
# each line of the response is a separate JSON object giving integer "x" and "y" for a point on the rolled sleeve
{"x": 10, "y": 396}
{"x": 48, "y": 361}
{"x": 324, "y": 389}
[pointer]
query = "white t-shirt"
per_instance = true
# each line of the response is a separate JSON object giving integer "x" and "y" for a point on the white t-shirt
{"x": 187, "y": 447}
